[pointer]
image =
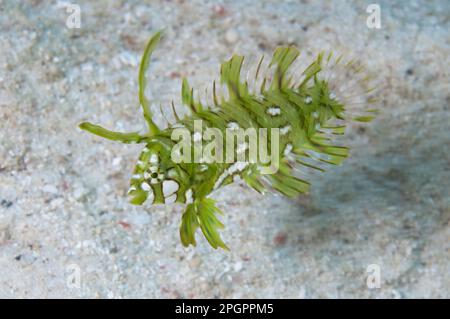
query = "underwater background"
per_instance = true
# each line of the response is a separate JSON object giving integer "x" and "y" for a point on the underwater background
{"x": 68, "y": 231}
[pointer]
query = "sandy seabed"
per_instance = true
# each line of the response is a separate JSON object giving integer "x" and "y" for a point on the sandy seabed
{"x": 62, "y": 192}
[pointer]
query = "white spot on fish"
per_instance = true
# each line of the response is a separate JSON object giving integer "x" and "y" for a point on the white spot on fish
{"x": 154, "y": 181}
{"x": 221, "y": 179}
{"x": 237, "y": 167}
{"x": 170, "y": 199}
{"x": 154, "y": 159}
{"x": 308, "y": 100}
{"x": 274, "y": 110}
{"x": 233, "y": 126}
{"x": 287, "y": 149}
{"x": 145, "y": 186}
{"x": 141, "y": 164}
{"x": 169, "y": 187}
{"x": 150, "y": 197}
{"x": 189, "y": 197}
{"x": 153, "y": 169}
{"x": 285, "y": 129}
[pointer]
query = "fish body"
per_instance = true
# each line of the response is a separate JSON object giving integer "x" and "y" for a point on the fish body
{"x": 308, "y": 111}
